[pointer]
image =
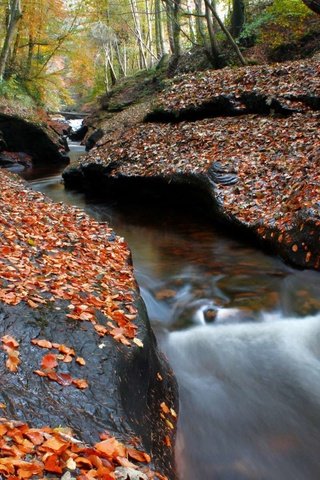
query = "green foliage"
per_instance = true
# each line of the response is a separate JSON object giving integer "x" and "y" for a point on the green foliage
{"x": 13, "y": 89}
{"x": 281, "y": 22}
{"x": 288, "y": 22}
{"x": 252, "y": 29}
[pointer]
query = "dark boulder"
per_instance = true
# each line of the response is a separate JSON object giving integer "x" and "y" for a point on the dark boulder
{"x": 35, "y": 140}
{"x": 94, "y": 138}
{"x": 79, "y": 134}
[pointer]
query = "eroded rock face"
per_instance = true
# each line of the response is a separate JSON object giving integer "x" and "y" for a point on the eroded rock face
{"x": 42, "y": 145}
{"x": 67, "y": 279}
{"x": 253, "y": 167}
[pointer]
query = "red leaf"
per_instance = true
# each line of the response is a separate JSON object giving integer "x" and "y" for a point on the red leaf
{"x": 49, "y": 361}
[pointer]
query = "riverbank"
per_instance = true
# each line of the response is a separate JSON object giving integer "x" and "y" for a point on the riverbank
{"x": 251, "y": 165}
{"x": 76, "y": 334}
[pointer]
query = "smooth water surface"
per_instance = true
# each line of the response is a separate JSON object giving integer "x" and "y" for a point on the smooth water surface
{"x": 242, "y": 333}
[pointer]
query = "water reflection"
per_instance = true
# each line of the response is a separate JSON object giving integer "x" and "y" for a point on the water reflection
{"x": 249, "y": 377}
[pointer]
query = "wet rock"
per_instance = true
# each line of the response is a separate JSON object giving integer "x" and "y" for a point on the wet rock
{"x": 9, "y": 159}
{"x": 127, "y": 380}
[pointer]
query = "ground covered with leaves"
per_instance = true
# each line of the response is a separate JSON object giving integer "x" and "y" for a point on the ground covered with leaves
{"x": 257, "y": 160}
{"x": 75, "y": 340}
{"x": 295, "y": 85}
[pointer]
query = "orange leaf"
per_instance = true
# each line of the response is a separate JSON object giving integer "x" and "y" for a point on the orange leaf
{"x": 80, "y": 383}
{"x": 83, "y": 461}
{"x": 3, "y": 430}
{"x": 55, "y": 444}
{"x": 27, "y": 470}
{"x": 49, "y": 361}
{"x": 67, "y": 359}
{"x": 42, "y": 343}
{"x": 139, "y": 456}
{"x": 66, "y": 350}
{"x": 10, "y": 341}
{"x": 111, "y": 448}
{"x": 13, "y": 361}
{"x": 35, "y": 436}
{"x": 164, "y": 407}
{"x": 81, "y": 361}
{"x": 52, "y": 464}
{"x": 40, "y": 373}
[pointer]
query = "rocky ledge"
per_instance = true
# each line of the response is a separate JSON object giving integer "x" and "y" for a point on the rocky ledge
{"x": 86, "y": 390}
{"x": 255, "y": 169}
{"x": 24, "y": 142}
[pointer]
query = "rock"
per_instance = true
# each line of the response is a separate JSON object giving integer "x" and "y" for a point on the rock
{"x": 68, "y": 289}
{"x": 94, "y": 138}
{"x": 3, "y": 145}
{"x": 79, "y": 134}
{"x": 37, "y": 141}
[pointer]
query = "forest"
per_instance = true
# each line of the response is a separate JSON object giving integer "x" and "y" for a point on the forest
{"x": 159, "y": 239}
{"x": 63, "y": 53}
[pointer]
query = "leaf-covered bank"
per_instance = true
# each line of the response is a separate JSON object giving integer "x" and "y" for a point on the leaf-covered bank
{"x": 78, "y": 351}
{"x": 254, "y": 163}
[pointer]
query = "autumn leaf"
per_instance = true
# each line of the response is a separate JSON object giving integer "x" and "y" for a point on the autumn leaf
{"x": 52, "y": 464}
{"x": 42, "y": 343}
{"x": 139, "y": 456}
{"x": 49, "y": 361}
{"x": 55, "y": 444}
{"x": 81, "y": 361}
{"x": 111, "y": 448}
{"x": 80, "y": 383}
{"x": 10, "y": 341}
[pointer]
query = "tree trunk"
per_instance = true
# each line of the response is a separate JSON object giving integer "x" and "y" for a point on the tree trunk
{"x": 314, "y": 5}
{"x": 176, "y": 27}
{"x": 149, "y": 35}
{"x": 226, "y": 32}
{"x": 200, "y": 34}
{"x": 15, "y": 16}
{"x": 214, "y": 47}
{"x": 160, "y": 48}
{"x": 237, "y": 17}
{"x": 138, "y": 30}
{"x": 169, "y": 15}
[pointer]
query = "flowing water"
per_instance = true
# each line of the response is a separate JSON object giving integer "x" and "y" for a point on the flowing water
{"x": 241, "y": 331}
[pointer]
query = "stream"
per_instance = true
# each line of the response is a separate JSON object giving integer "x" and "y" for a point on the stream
{"x": 241, "y": 331}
